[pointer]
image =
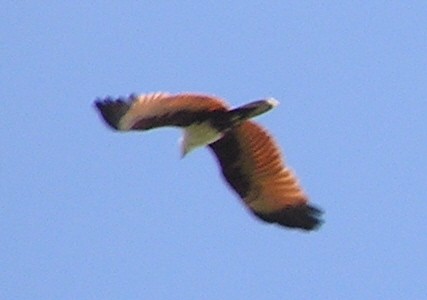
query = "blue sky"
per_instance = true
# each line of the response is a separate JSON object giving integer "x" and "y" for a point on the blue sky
{"x": 87, "y": 213}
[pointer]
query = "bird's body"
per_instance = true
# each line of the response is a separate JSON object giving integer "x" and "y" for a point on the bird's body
{"x": 250, "y": 160}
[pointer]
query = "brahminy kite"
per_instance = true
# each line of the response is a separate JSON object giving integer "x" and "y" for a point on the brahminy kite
{"x": 250, "y": 160}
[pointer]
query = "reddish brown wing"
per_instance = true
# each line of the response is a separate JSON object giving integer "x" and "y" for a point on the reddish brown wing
{"x": 156, "y": 110}
{"x": 252, "y": 164}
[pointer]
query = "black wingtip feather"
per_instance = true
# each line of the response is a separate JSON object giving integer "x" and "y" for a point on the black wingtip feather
{"x": 112, "y": 110}
{"x": 304, "y": 217}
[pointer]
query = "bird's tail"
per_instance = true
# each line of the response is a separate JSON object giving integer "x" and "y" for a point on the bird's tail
{"x": 251, "y": 110}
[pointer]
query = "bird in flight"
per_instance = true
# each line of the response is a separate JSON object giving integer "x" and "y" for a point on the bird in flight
{"x": 250, "y": 160}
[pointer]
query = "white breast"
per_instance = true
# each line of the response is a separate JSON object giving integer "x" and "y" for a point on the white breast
{"x": 198, "y": 135}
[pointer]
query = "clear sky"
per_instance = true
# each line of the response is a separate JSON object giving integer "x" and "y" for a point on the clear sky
{"x": 87, "y": 213}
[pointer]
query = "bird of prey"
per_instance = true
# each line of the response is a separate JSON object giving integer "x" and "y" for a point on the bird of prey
{"x": 250, "y": 160}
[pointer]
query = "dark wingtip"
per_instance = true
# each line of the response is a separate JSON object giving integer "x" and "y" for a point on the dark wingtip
{"x": 112, "y": 110}
{"x": 304, "y": 217}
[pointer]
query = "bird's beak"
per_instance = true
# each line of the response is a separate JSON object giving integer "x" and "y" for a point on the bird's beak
{"x": 185, "y": 150}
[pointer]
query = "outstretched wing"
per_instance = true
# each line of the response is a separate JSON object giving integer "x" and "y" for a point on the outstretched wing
{"x": 156, "y": 110}
{"x": 252, "y": 164}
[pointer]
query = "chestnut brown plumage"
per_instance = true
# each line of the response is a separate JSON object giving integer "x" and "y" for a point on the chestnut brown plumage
{"x": 256, "y": 171}
{"x": 250, "y": 160}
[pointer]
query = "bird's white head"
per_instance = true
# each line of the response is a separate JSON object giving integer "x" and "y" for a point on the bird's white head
{"x": 186, "y": 145}
{"x": 198, "y": 135}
